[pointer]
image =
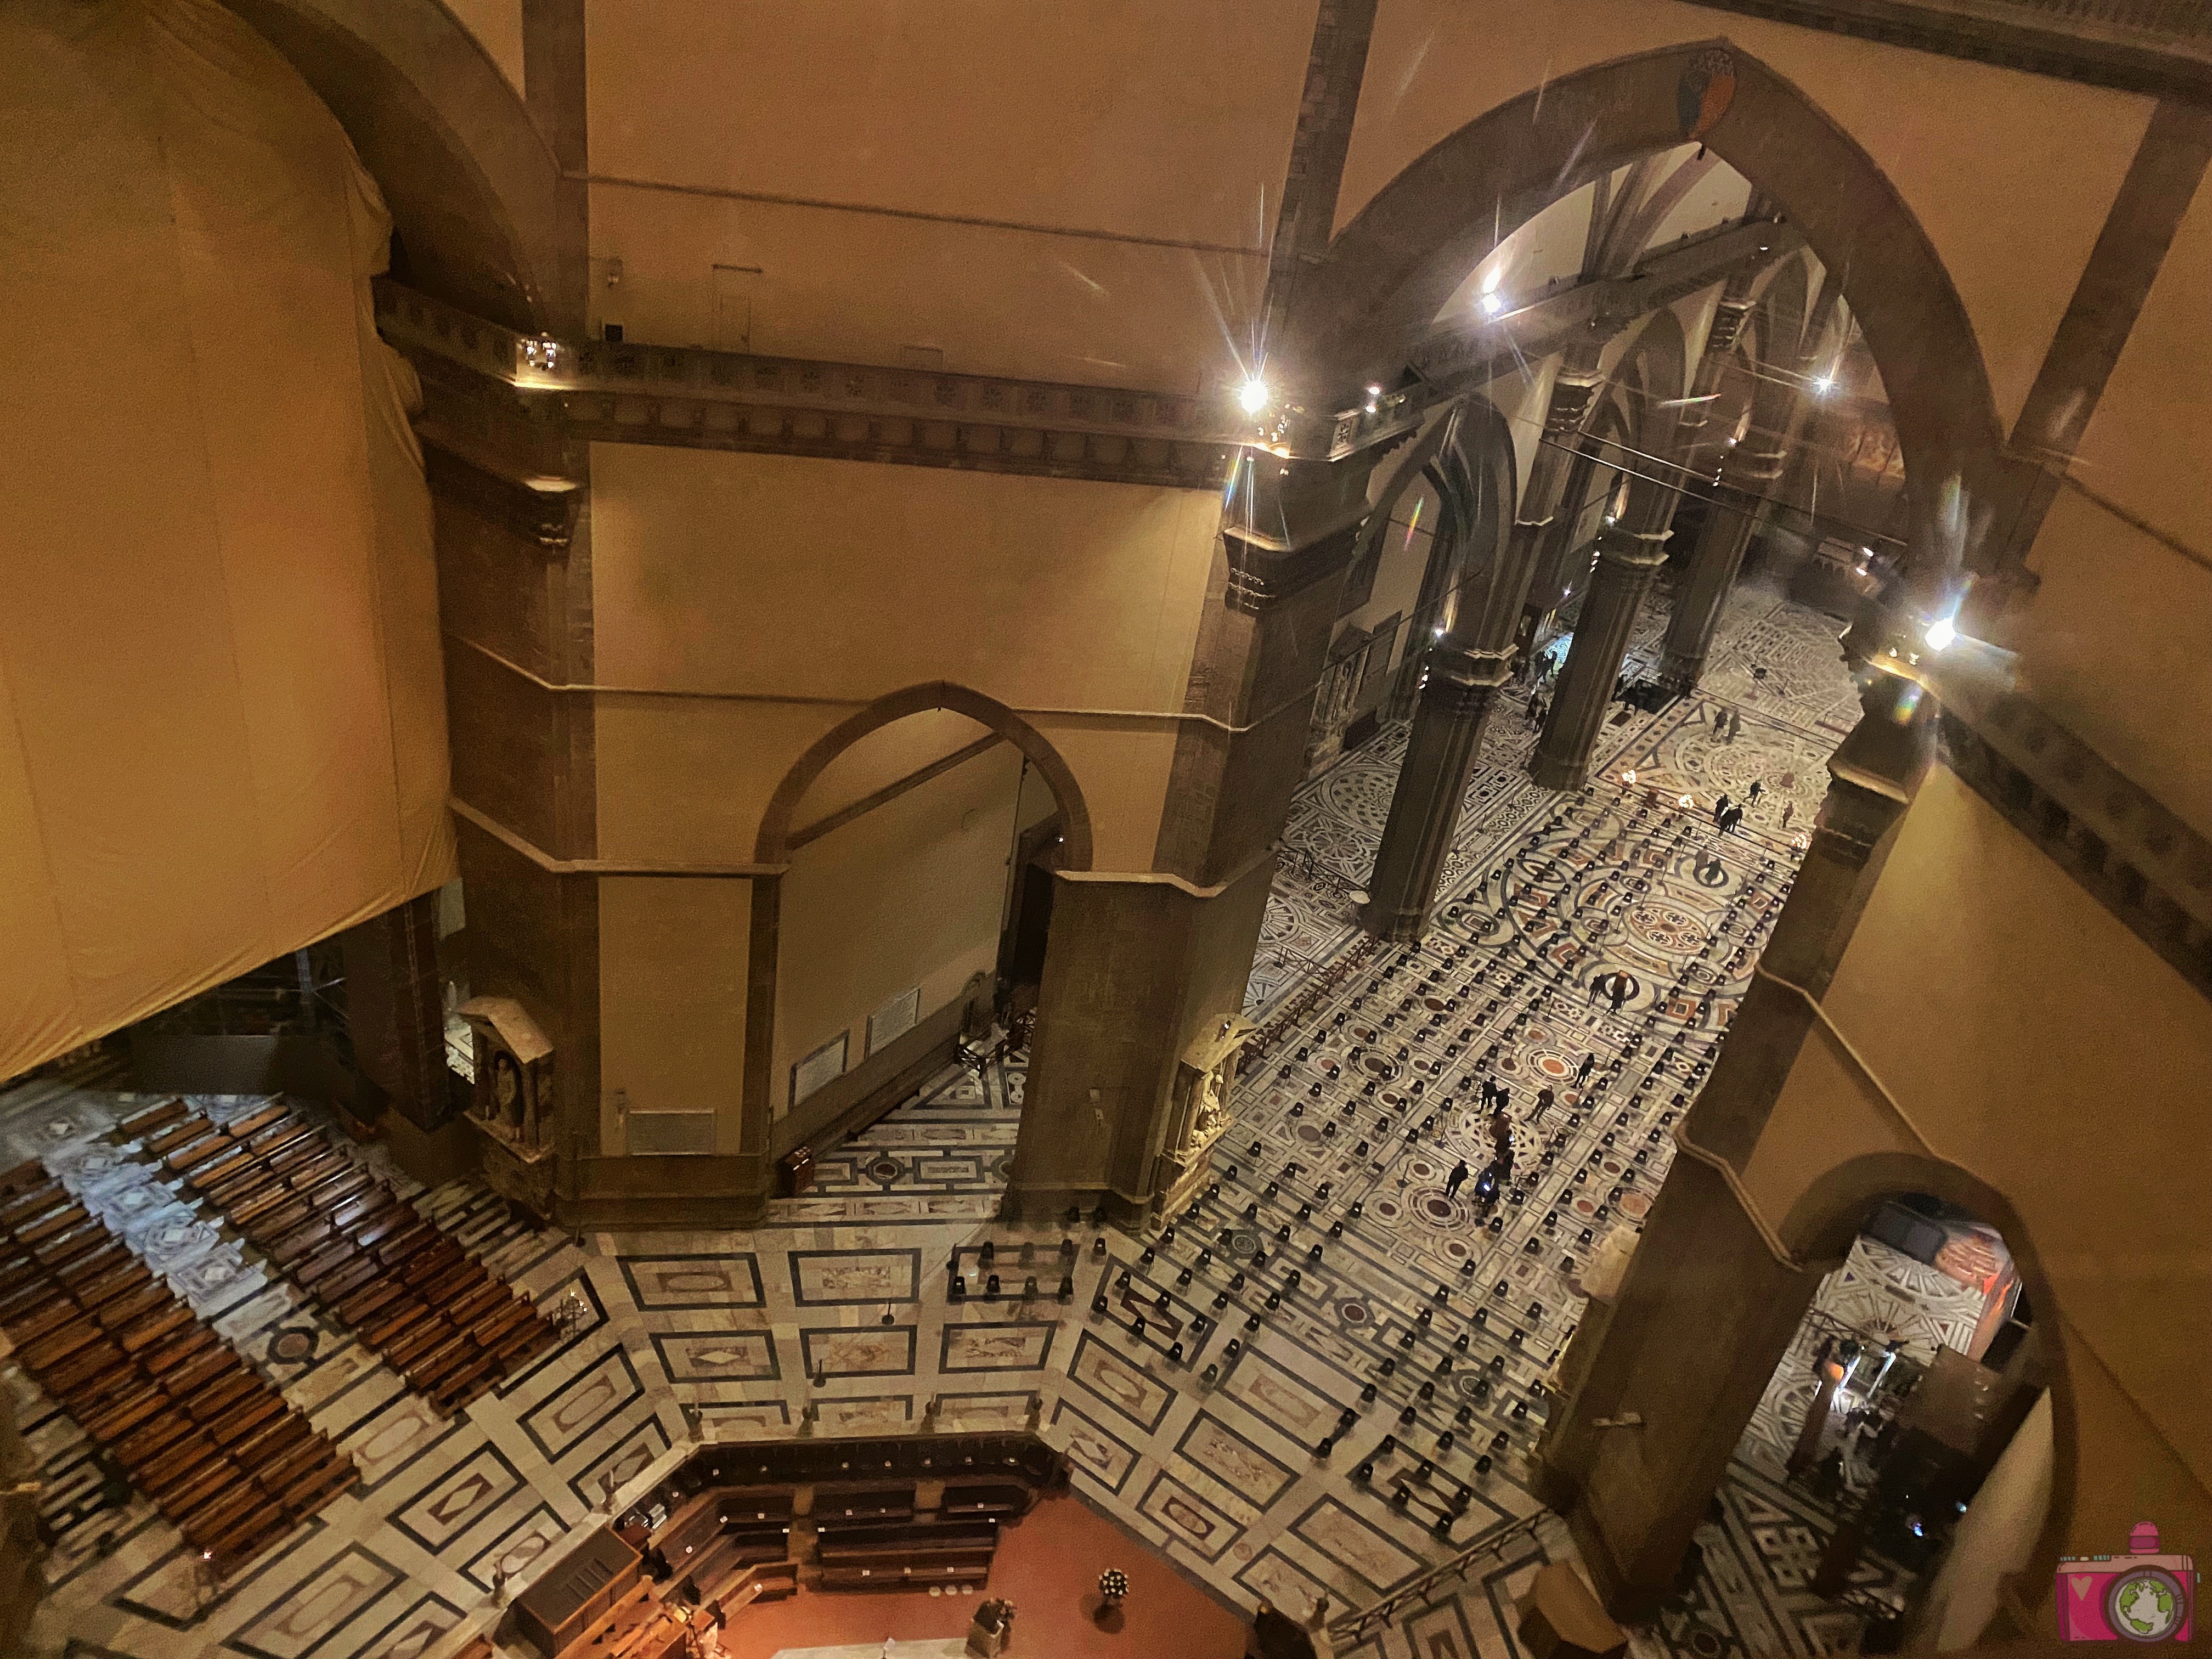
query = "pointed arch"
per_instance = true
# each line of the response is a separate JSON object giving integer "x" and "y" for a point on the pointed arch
{"x": 474, "y": 188}
{"x": 1390, "y": 268}
{"x": 1827, "y": 1217}
{"x": 772, "y": 845}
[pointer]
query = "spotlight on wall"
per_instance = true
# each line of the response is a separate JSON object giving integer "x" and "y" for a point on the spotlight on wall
{"x": 1252, "y": 397}
{"x": 1940, "y": 633}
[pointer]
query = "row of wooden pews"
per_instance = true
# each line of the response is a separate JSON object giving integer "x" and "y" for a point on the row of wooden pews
{"x": 406, "y": 1285}
{"x": 205, "y": 1437}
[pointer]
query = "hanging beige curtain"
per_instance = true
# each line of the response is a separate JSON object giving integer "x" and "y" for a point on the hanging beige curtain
{"x": 221, "y": 709}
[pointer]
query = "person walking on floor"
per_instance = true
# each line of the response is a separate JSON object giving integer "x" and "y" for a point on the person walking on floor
{"x": 1789, "y": 811}
{"x": 1582, "y": 1073}
{"x": 1620, "y": 991}
{"x": 1757, "y": 786}
{"x": 1456, "y": 1179}
{"x": 1720, "y": 806}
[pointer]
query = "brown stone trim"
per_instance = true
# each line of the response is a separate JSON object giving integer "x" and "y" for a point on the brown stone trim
{"x": 517, "y": 843}
{"x": 540, "y": 508}
{"x": 2139, "y": 228}
{"x": 890, "y": 792}
{"x": 554, "y": 92}
{"x": 2023, "y": 44}
{"x": 764, "y": 947}
{"x": 2151, "y": 870}
{"x": 773, "y": 845}
{"x": 504, "y": 389}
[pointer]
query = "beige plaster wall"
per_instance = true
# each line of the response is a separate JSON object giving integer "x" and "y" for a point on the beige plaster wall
{"x": 910, "y": 893}
{"x": 2149, "y": 447}
{"x": 2116, "y": 645}
{"x": 1078, "y": 191}
{"x": 497, "y": 26}
{"x": 781, "y": 595}
{"x": 1085, "y": 116}
{"x": 672, "y": 1000}
{"x": 1974, "y": 151}
{"x": 863, "y": 287}
{"x": 1991, "y": 999}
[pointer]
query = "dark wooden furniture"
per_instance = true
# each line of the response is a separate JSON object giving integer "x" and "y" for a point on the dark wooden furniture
{"x": 435, "y": 1313}
{"x": 202, "y": 1433}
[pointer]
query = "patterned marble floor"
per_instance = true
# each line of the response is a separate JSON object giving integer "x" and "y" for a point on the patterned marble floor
{"x": 1263, "y": 1320}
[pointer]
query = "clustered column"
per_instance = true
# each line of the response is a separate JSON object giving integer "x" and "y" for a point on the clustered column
{"x": 1465, "y": 671}
{"x": 1627, "y": 560}
{"x": 1440, "y": 755}
{"x": 1749, "y": 475}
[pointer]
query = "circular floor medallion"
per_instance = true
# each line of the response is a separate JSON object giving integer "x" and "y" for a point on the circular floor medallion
{"x": 290, "y": 1347}
{"x": 1352, "y": 1312}
{"x": 885, "y": 1170}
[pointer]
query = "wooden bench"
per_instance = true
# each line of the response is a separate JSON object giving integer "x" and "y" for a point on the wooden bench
{"x": 141, "y": 1124}
{"x": 246, "y": 1128}
{"x": 175, "y": 1140}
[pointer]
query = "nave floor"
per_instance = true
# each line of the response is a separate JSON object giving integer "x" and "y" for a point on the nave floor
{"x": 1546, "y": 895}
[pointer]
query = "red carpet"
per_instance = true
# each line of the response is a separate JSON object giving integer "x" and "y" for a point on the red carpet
{"x": 1048, "y": 1567}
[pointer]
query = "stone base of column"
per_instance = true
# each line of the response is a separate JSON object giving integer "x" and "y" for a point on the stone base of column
{"x": 1680, "y": 675}
{"x": 1559, "y": 772}
{"x": 1396, "y": 924}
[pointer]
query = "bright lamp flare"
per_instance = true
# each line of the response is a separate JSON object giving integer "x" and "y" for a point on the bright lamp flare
{"x": 1492, "y": 303}
{"x": 1252, "y": 397}
{"x": 1685, "y": 801}
{"x": 1629, "y": 776}
{"x": 1940, "y": 633}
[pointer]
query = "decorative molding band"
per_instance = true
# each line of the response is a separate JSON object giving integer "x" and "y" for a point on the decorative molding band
{"x": 545, "y": 861}
{"x": 492, "y": 386}
{"x": 2093, "y": 41}
{"x": 2150, "y": 870}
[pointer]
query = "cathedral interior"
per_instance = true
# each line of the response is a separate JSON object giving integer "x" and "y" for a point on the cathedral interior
{"x": 1300, "y": 827}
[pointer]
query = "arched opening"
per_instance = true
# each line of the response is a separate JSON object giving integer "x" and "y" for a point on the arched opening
{"x": 1881, "y": 1457}
{"x": 1390, "y": 271}
{"x": 917, "y": 842}
{"x": 1438, "y": 541}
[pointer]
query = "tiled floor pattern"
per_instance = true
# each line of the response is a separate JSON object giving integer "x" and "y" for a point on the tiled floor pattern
{"x": 1548, "y": 897}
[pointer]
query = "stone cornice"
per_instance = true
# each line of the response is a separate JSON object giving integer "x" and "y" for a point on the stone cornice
{"x": 2150, "y": 870}
{"x": 494, "y": 386}
{"x": 2062, "y": 39}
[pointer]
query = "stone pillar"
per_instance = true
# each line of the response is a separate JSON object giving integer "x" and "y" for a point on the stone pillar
{"x": 1142, "y": 964}
{"x": 1440, "y": 753}
{"x": 1465, "y": 671}
{"x": 1627, "y": 563}
{"x": 1748, "y": 477}
{"x": 1709, "y": 1305}
{"x": 1704, "y": 1315}
{"x": 395, "y": 1010}
{"x": 1873, "y": 775}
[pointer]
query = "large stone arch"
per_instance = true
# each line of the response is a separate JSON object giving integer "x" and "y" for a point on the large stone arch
{"x": 772, "y": 845}
{"x": 1390, "y": 269}
{"x": 1826, "y": 1217}
{"x": 475, "y": 189}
